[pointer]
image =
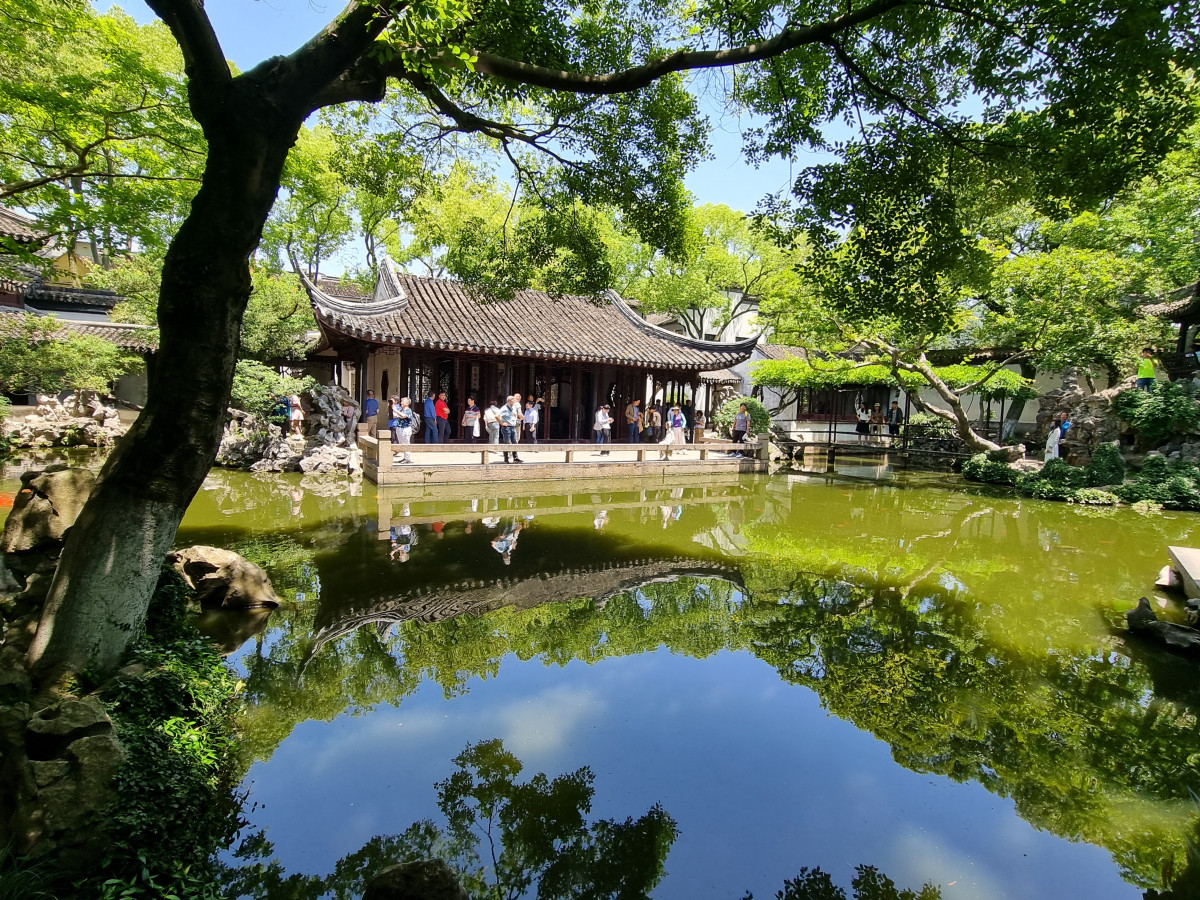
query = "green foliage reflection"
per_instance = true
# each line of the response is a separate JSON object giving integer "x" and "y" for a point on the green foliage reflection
{"x": 504, "y": 839}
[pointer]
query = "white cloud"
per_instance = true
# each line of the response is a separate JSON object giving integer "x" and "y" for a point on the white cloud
{"x": 541, "y": 725}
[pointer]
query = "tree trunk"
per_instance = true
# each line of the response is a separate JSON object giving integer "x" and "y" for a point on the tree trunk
{"x": 113, "y": 554}
{"x": 1012, "y": 415}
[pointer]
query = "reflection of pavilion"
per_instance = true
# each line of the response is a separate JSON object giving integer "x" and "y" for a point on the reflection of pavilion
{"x": 548, "y": 498}
{"x": 598, "y": 582}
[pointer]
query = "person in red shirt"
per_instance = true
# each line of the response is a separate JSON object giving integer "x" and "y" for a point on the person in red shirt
{"x": 443, "y": 416}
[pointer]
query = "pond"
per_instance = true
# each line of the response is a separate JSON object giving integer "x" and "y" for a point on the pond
{"x": 798, "y": 670}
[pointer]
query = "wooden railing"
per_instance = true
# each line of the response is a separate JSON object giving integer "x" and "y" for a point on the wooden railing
{"x": 382, "y": 451}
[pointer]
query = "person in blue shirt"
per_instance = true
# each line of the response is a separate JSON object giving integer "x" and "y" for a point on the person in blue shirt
{"x": 511, "y": 417}
{"x": 370, "y": 411}
{"x": 431, "y": 420}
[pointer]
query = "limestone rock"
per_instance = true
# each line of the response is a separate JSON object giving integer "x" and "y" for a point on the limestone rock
{"x": 1177, "y": 638}
{"x": 81, "y": 420}
{"x": 1026, "y": 465}
{"x": 223, "y": 578}
{"x": 249, "y": 442}
{"x": 59, "y": 725}
{"x": 45, "y": 507}
{"x": 427, "y": 879}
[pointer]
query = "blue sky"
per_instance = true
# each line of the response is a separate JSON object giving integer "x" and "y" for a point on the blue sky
{"x": 252, "y": 30}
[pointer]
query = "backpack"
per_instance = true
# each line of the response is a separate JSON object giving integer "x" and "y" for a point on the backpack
{"x": 416, "y": 421}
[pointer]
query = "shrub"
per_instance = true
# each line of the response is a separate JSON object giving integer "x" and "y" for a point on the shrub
{"x": 1058, "y": 480}
{"x": 1172, "y": 485}
{"x": 760, "y": 419}
{"x": 1157, "y": 416}
{"x": 981, "y": 467}
{"x": 177, "y": 807}
{"x": 925, "y": 424}
{"x": 1091, "y": 496}
{"x": 257, "y": 389}
{"x": 1107, "y": 466}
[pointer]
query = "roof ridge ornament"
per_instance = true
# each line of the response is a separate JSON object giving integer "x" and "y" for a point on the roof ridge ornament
{"x": 374, "y": 307}
{"x": 746, "y": 344}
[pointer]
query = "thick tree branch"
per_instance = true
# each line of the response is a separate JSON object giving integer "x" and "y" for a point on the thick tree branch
{"x": 684, "y": 60}
{"x": 365, "y": 79}
{"x": 203, "y": 58}
{"x": 325, "y": 57}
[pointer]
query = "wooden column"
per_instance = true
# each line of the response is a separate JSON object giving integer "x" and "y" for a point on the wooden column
{"x": 576, "y": 400}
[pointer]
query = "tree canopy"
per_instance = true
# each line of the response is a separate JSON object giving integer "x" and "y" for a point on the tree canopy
{"x": 96, "y": 136}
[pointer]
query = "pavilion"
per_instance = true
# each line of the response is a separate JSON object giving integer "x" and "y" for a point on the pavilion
{"x": 417, "y": 334}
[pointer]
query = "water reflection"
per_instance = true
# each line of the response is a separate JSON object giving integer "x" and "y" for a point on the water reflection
{"x": 976, "y": 634}
{"x": 502, "y": 838}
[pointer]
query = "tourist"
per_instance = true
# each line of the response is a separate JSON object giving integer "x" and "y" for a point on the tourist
{"x": 370, "y": 414}
{"x": 875, "y": 420}
{"x": 741, "y": 426}
{"x": 894, "y": 418}
{"x": 470, "y": 421}
{"x": 653, "y": 423}
{"x": 430, "y": 413}
{"x": 442, "y": 408}
{"x": 633, "y": 420}
{"x": 296, "y": 414}
{"x": 510, "y": 422}
{"x": 603, "y": 427}
{"x": 404, "y": 427}
{"x": 491, "y": 421}
{"x": 698, "y": 430}
{"x": 676, "y": 423}
{"x": 1064, "y": 425}
{"x": 394, "y": 418}
{"x": 516, "y": 398}
{"x": 1053, "y": 438}
{"x": 1145, "y": 370}
{"x": 864, "y": 416}
{"x": 507, "y": 541}
{"x": 533, "y": 415}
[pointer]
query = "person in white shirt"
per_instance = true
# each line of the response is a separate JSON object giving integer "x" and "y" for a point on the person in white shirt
{"x": 533, "y": 410}
{"x": 603, "y": 427}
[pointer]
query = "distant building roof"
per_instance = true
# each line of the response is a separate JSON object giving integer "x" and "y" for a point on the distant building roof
{"x": 782, "y": 351}
{"x": 39, "y": 292}
{"x": 19, "y": 227}
{"x": 340, "y": 287}
{"x": 137, "y": 338}
{"x": 439, "y": 314}
{"x": 721, "y": 377}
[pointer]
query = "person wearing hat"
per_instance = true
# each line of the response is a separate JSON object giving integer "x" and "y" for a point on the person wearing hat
{"x": 603, "y": 427}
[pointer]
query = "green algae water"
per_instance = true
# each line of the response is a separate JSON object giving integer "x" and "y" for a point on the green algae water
{"x": 800, "y": 670}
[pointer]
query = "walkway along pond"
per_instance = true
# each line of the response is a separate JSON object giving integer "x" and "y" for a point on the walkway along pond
{"x": 802, "y": 671}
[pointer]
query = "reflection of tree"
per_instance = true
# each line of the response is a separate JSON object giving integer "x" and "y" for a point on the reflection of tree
{"x": 1078, "y": 740}
{"x": 1069, "y": 737}
{"x": 868, "y": 884}
{"x": 501, "y": 837}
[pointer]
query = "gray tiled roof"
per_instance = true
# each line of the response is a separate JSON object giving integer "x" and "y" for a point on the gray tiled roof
{"x": 138, "y": 338}
{"x": 40, "y": 291}
{"x": 781, "y": 351}
{"x": 18, "y": 227}
{"x": 439, "y": 314}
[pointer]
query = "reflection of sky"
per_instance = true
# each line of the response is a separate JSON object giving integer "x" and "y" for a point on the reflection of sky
{"x": 760, "y": 779}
